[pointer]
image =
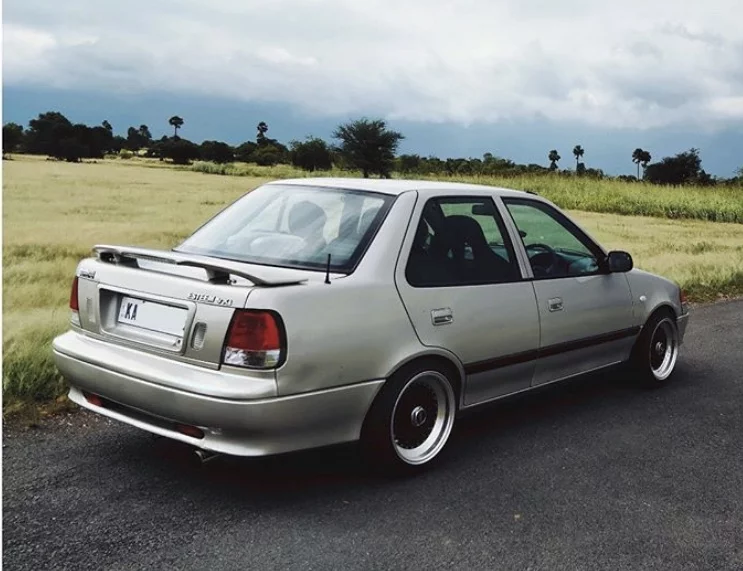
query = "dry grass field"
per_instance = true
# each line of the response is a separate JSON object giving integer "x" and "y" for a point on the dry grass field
{"x": 53, "y": 213}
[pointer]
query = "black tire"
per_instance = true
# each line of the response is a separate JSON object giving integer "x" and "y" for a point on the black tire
{"x": 655, "y": 353}
{"x": 410, "y": 420}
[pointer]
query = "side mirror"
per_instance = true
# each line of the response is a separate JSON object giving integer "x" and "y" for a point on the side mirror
{"x": 619, "y": 261}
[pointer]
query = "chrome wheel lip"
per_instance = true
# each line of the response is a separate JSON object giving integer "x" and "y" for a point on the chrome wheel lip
{"x": 665, "y": 340}
{"x": 443, "y": 423}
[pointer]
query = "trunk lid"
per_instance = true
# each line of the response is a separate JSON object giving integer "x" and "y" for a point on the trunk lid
{"x": 176, "y": 305}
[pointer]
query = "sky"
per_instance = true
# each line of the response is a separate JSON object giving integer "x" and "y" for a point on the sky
{"x": 515, "y": 78}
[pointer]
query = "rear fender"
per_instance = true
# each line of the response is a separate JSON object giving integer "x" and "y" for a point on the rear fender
{"x": 447, "y": 359}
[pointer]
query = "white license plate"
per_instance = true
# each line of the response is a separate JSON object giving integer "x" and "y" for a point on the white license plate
{"x": 152, "y": 316}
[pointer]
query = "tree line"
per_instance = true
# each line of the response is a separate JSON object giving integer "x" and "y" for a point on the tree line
{"x": 365, "y": 145}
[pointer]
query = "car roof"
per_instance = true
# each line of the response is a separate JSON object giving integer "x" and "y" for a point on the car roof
{"x": 395, "y": 186}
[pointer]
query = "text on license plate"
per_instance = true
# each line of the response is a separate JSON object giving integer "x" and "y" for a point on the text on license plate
{"x": 152, "y": 316}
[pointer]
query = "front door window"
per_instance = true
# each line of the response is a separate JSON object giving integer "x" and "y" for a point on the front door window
{"x": 555, "y": 248}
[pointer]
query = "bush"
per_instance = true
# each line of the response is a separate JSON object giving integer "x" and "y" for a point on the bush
{"x": 684, "y": 168}
{"x": 71, "y": 150}
{"x": 244, "y": 152}
{"x": 180, "y": 151}
{"x": 268, "y": 155}
{"x": 213, "y": 168}
{"x": 217, "y": 152}
{"x": 311, "y": 155}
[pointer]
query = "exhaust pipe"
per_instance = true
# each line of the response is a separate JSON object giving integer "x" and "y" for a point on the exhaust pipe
{"x": 205, "y": 456}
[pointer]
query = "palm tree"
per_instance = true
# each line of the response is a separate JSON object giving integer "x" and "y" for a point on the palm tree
{"x": 553, "y": 157}
{"x": 645, "y": 159}
{"x": 175, "y": 122}
{"x": 637, "y": 155}
{"x": 262, "y": 129}
{"x": 578, "y": 151}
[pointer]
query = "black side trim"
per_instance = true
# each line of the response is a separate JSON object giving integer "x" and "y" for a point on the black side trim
{"x": 588, "y": 342}
{"x": 526, "y": 356}
{"x": 506, "y": 361}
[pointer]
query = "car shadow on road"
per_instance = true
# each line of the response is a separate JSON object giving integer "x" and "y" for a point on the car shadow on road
{"x": 337, "y": 470}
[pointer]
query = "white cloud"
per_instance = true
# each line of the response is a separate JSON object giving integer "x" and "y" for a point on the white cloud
{"x": 629, "y": 64}
{"x": 24, "y": 50}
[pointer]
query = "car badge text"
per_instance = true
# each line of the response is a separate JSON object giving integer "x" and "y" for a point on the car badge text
{"x": 211, "y": 299}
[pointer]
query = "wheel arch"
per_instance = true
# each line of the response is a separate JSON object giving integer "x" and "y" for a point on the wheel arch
{"x": 662, "y": 307}
{"x": 663, "y": 311}
{"x": 377, "y": 435}
{"x": 441, "y": 358}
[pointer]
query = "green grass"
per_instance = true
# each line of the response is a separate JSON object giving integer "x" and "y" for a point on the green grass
{"x": 55, "y": 212}
{"x": 251, "y": 170}
{"x": 716, "y": 204}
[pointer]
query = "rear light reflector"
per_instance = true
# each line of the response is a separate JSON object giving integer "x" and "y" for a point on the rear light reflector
{"x": 93, "y": 399}
{"x": 188, "y": 430}
{"x": 255, "y": 340}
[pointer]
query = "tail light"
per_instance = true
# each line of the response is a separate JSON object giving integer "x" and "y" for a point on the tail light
{"x": 255, "y": 340}
{"x": 682, "y": 300}
{"x": 74, "y": 303}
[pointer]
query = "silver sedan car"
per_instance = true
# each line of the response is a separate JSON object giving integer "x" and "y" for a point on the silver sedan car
{"x": 315, "y": 312}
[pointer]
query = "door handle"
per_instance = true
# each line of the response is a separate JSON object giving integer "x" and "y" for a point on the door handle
{"x": 442, "y": 316}
{"x": 555, "y": 304}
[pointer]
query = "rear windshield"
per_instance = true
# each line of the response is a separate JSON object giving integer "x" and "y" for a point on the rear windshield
{"x": 293, "y": 226}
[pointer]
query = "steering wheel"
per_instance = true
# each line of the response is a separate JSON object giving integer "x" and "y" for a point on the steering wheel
{"x": 584, "y": 265}
{"x": 538, "y": 266}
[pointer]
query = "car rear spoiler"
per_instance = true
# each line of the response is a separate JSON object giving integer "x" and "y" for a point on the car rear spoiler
{"x": 217, "y": 270}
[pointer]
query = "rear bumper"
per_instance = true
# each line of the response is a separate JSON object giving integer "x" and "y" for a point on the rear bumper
{"x": 682, "y": 322}
{"x": 254, "y": 427}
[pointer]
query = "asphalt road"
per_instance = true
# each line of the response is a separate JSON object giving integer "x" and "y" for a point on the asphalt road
{"x": 592, "y": 475}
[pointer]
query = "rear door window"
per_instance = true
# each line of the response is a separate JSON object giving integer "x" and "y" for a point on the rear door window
{"x": 460, "y": 242}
